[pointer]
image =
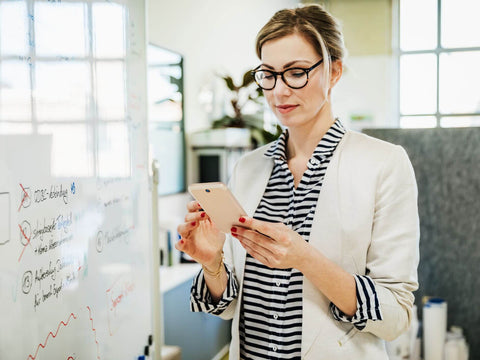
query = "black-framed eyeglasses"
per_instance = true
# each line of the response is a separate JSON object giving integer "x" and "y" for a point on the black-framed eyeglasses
{"x": 295, "y": 78}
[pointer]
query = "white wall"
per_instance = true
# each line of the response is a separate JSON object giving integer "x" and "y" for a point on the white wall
{"x": 367, "y": 88}
{"x": 214, "y": 36}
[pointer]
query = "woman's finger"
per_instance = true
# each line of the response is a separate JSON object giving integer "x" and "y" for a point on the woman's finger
{"x": 195, "y": 216}
{"x": 180, "y": 245}
{"x": 193, "y": 206}
{"x": 254, "y": 236}
{"x": 254, "y": 241}
{"x": 257, "y": 252}
{"x": 270, "y": 230}
{"x": 185, "y": 229}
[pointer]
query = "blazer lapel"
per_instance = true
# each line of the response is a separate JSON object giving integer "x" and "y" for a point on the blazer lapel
{"x": 249, "y": 191}
{"x": 326, "y": 236}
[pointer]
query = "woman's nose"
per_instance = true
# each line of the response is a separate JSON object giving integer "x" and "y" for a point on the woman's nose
{"x": 281, "y": 88}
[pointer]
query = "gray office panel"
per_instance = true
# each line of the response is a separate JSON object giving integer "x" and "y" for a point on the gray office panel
{"x": 447, "y": 168}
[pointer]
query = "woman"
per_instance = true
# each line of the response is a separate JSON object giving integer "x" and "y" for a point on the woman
{"x": 326, "y": 262}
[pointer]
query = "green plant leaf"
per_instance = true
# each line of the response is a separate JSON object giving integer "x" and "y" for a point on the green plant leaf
{"x": 225, "y": 121}
{"x": 229, "y": 82}
{"x": 253, "y": 121}
{"x": 247, "y": 79}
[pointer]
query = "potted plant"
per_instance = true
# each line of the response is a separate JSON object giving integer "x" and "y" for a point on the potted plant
{"x": 241, "y": 96}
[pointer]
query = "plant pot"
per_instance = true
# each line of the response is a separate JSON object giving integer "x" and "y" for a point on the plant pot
{"x": 225, "y": 137}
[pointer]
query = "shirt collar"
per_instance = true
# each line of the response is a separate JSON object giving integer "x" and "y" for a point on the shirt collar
{"x": 278, "y": 149}
{"x": 324, "y": 149}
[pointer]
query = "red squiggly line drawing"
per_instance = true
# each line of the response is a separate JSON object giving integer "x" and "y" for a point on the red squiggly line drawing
{"x": 33, "y": 357}
{"x": 94, "y": 330}
{"x": 25, "y": 246}
{"x": 24, "y": 197}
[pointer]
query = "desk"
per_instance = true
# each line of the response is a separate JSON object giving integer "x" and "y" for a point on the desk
{"x": 173, "y": 276}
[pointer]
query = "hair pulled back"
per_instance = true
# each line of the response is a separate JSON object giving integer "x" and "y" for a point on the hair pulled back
{"x": 313, "y": 22}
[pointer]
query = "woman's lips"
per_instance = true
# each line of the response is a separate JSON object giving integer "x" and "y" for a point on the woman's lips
{"x": 283, "y": 109}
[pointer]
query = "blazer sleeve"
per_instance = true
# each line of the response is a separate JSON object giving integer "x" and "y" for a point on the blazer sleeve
{"x": 393, "y": 255}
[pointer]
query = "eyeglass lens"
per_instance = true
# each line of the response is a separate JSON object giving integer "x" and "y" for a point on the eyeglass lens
{"x": 295, "y": 78}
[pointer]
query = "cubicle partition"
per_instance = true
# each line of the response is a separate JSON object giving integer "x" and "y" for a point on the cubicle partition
{"x": 447, "y": 168}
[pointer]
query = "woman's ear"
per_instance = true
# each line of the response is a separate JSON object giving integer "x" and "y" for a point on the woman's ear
{"x": 336, "y": 72}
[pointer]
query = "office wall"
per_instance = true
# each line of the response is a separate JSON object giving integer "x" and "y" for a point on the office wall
{"x": 367, "y": 25}
{"x": 214, "y": 36}
{"x": 369, "y": 87}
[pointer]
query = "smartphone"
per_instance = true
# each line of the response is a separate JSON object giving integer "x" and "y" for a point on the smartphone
{"x": 219, "y": 203}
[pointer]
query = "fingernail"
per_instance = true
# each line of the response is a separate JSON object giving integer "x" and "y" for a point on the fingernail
{"x": 233, "y": 229}
{"x": 198, "y": 204}
{"x": 202, "y": 214}
{"x": 181, "y": 241}
{"x": 242, "y": 219}
{"x": 193, "y": 223}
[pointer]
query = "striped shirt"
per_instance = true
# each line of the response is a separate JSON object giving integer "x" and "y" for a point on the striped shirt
{"x": 271, "y": 313}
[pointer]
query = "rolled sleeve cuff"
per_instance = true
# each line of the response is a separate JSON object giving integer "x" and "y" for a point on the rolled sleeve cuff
{"x": 368, "y": 307}
{"x": 201, "y": 300}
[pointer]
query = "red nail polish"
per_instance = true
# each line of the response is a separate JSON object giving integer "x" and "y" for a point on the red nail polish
{"x": 202, "y": 215}
{"x": 193, "y": 223}
{"x": 233, "y": 229}
{"x": 242, "y": 219}
{"x": 181, "y": 241}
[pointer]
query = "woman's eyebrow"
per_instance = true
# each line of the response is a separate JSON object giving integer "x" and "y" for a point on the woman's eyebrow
{"x": 287, "y": 65}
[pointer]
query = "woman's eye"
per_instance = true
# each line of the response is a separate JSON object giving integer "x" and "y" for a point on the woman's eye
{"x": 296, "y": 74}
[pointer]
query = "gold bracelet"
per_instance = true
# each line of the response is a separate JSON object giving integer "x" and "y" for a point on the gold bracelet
{"x": 215, "y": 274}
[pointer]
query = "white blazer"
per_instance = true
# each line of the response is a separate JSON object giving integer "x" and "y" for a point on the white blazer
{"x": 366, "y": 220}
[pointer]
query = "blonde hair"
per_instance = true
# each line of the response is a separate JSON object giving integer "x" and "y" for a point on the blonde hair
{"x": 312, "y": 22}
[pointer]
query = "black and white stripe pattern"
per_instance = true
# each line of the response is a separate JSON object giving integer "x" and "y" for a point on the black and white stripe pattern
{"x": 271, "y": 316}
{"x": 368, "y": 307}
{"x": 201, "y": 300}
{"x": 271, "y": 320}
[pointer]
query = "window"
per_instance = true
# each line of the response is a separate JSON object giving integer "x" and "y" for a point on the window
{"x": 62, "y": 74}
{"x": 439, "y": 57}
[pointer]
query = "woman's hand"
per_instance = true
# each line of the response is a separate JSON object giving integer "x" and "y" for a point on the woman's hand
{"x": 200, "y": 238}
{"x": 273, "y": 244}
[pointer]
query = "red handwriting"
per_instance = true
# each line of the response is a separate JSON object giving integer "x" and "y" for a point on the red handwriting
{"x": 128, "y": 288}
{"x": 116, "y": 294}
{"x": 25, "y": 196}
{"x": 33, "y": 357}
{"x": 28, "y": 242}
{"x": 94, "y": 330}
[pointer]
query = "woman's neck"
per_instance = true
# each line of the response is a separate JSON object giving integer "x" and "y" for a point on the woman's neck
{"x": 303, "y": 140}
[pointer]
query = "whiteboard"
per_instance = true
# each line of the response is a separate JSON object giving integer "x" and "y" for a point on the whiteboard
{"x": 75, "y": 238}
